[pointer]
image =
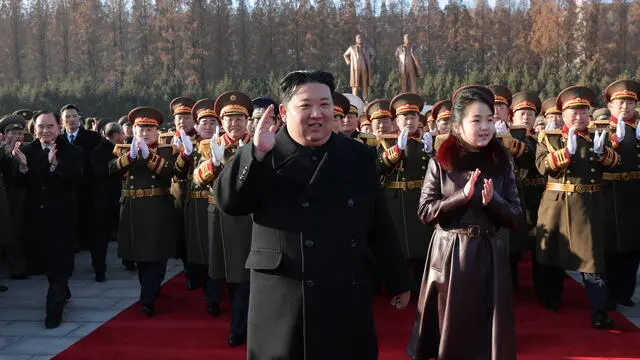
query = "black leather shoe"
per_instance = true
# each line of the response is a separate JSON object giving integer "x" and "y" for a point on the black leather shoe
{"x": 52, "y": 321}
{"x": 148, "y": 310}
{"x": 68, "y": 296}
{"x": 4, "y": 288}
{"x": 601, "y": 320}
{"x": 101, "y": 277}
{"x": 19, "y": 277}
{"x": 236, "y": 340}
{"x": 213, "y": 309}
{"x": 626, "y": 302}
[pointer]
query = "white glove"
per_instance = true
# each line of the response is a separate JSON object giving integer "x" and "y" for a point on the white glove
{"x": 133, "y": 151}
{"x": 572, "y": 141}
{"x": 240, "y": 143}
{"x": 402, "y": 138}
{"x": 144, "y": 149}
{"x": 550, "y": 126}
{"x": 598, "y": 142}
{"x": 501, "y": 127}
{"x": 427, "y": 140}
{"x": 620, "y": 130}
{"x": 217, "y": 150}
{"x": 638, "y": 132}
{"x": 186, "y": 141}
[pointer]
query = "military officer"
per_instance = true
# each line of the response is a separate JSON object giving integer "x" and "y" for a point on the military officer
{"x": 147, "y": 231}
{"x": 28, "y": 116}
{"x": 229, "y": 236}
{"x": 349, "y": 124}
{"x": 501, "y": 116}
{"x": 441, "y": 111}
{"x": 379, "y": 113}
{"x": 341, "y": 108}
{"x": 260, "y": 105}
{"x": 196, "y": 204}
{"x": 522, "y": 144}
{"x": 551, "y": 113}
{"x": 622, "y": 184}
{"x": 403, "y": 162}
{"x": 126, "y": 127}
{"x": 571, "y": 233}
{"x": 12, "y": 127}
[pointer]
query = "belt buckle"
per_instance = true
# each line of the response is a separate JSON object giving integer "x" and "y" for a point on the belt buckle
{"x": 579, "y": 188}
{"x": 625, "y": 176}
{"x": 138, "y": 193}
{"x": 473, "y": 231}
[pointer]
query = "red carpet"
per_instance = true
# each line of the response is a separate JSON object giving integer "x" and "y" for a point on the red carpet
{"x": 183, "y": 330}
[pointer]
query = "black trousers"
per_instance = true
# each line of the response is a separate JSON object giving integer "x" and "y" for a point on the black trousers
{"x": 211, "y": 287}
{"x": 553, "y": 285}
{"x": 57, "y": 294}
{"x": 622, "y": 269}
{"x": 190, "y": 270}
{"x": 239, "y": 294}
{"x": 150, "y": 275}
{"x": 99, "y": 250}
{"x": 14, "y": 257}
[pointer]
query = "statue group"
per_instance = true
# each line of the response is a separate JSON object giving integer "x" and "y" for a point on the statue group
{"x": 359, "y": 57}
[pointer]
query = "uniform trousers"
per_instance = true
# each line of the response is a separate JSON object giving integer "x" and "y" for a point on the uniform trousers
{"x": 622, "y": 269}
{"x": 552, "y": 287}
{"x": 150, "y": 274}
{"x": 57, "y": 294}
{"x": 239, "y": 293}
{"x": 211, "y": 287}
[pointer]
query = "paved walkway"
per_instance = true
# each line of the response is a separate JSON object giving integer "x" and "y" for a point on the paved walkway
{"x": 22, "y": 332}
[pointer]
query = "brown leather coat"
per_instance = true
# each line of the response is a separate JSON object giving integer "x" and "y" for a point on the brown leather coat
{"x": 465, "y": 309}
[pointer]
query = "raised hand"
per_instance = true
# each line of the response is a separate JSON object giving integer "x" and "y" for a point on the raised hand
{"x": 133, "y": 150}
{"x": 550, "y": 126}
{"x": 402, "y": 138}
{"x": 501, "y": 127}
{"x": 186, "y": 142}
{"x": 264, "y": 138}
{"x": 144, "y": 149}
{"x": 53, "y": 156}
{"x": 427, "y": 141}
{"x": 572, "y": 141}
{"x": 18, "y": 155}
{"x": 469, "y": 187}
{"x": 638, "y": 132}
{"x": 620, "y": 130}
{"x": 217, "y": 150}
{"x": 598, "y": 142}
{"x": 487, "y": 191}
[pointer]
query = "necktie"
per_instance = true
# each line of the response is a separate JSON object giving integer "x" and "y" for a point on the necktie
{"x": 72, "y": 139}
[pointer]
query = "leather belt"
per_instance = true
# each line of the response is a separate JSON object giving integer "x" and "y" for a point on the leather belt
{"x": 202, "y": 194}
{"x": 141, "y": 193}
{"x": 212, "y": 200}
{"x": 471, "y": 231}
{"x": 574, "y": 188}
{"x": 625, "y": 176}
{"x": 533, "y": 182}
{"x": 404, "y": 185}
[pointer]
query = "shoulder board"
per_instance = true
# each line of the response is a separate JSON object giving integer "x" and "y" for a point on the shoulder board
{"x": 388, "y": 136}
{"x": 439, "y": 140}
{"x": 503, "y": 136}
{"x": 367, "y": 136}
{"x": 602, "y": 123}
{"x": 204, "y": 148}
{"x": 121, "y": 149}
{"x": 166, "y": 138}
{"x": 517, "y": 127}
{"x": 174, "y": 150}
{"x": 552, "y": 132}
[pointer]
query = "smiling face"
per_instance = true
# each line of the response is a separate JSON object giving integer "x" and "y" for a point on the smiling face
{"x": 309, "y": 114}
{"x": 47, "y": 128}
{"x": 578, "y": 118}
{"x": 235, "y": 126}
{"x": 207, "y": 126}
{"x": 476, "y": 128}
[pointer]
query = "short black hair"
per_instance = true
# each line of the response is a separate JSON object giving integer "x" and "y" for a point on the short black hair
{"x": 301, "y": 77}
{"x": 112, "y": 128}
{"x": 69, "y": 107}
{"x": 45, "y": 112}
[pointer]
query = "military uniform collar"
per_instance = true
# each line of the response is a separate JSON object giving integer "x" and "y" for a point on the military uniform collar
{"x": 631, "y": 122}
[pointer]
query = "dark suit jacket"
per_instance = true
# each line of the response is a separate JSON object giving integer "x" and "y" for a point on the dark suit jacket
{"x": 51, "y": 205}
{"x": 106, "y": 188}
{"x": 317, "y": 214}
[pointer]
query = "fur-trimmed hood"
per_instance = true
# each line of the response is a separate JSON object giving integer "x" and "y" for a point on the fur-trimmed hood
{"x": 453, "y": 155}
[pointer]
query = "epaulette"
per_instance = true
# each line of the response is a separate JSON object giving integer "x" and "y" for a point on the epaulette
{"x": 121, "y": 149}
{"x": 517, "y": 127}
{"x": 439, "y": 140}
{"x": 174, "y": 149}
{"x": 503, "y": 136}
{"x": 166, "y": 138}
{"x": 204, "y": 148}
{"x": 367, "y": 136}
{"x": 388, "y": 136}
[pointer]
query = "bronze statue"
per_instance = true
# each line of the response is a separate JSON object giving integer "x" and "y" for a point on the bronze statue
{"x": 408, "y": 66}
{"x": 360, "y": 59}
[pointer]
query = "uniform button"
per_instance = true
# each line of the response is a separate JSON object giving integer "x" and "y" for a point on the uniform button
{"x": 591, "y": 159}
{"x": 424, "y": 158}
{"x": 354, "y": 243}
{"x": 593, "y": 170}
{"x": 233, "y": 150}
{"x": 153, "y": 176}
{"x": 568, "y": 181}
{"x": 131, "y": 177}
{"x": 41, "y": 206}
{"x": 152, "y": 186}
{"x": 404, "y": 179}
{"x": 350, "y": 203}
{"x": 309, "y": 243}
{"x": 592, "y": 181}
{"x": 424, "y": 168}
{"x": 638, "y": 155}
{"x": 568, "y": 171}
{"x": 314, "y": 158}
{"x": 306, "y": 204}
{"x": 131, "y": 187}
{"x": 354, "y": 283}
{"x": 309, "y": 284}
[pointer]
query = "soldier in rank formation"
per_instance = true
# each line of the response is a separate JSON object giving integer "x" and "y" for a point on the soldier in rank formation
{"x": 576, "y": 168}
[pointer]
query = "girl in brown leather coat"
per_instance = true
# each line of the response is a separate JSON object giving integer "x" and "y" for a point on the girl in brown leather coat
{"x": 465, "y": 310}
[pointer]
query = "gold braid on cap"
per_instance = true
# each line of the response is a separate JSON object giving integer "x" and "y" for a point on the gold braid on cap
{"x": 337, "y": 110}
{"x": 145, "y": 120}
{"x": 575, "y": 102}
{"x": 501, "y": 99}
{"x": 381, "y": 113}
{"x": 624, "y": 94}
{"x": 405, "y": 108}
{"x": 207, "y": 112}
{"x": 443, "y": 114}
{"x": 182, "y": 109}
{"x": 234, "y": 109}
{"x": 524, "y": 105}
{"x": 552, "y": 110}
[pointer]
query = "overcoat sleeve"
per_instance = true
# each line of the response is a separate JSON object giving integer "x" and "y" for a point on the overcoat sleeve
{"x": 69, "y": 167}
{"x": 239, "y": 186}
{"x": 433, "y": 204}
{"x": 505, "y": 208}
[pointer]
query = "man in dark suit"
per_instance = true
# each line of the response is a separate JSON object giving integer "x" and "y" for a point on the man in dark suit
{"x": 51, "y": 169}
{"x": 87, "y": 140}
{"x": 317, "y": 210}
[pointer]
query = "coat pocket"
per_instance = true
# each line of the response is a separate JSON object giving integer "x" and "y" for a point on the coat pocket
{"x": 440, "y": 250}
{"x": 264, "y": 259}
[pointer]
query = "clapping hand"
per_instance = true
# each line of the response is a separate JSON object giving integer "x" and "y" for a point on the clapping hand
{"x": 487, "y": 191}
{"x": 469, "y": 187}
{"x": 427, "y": 140}
{"x": 551, "y": 125}
{"x": 133, "y": 150}
{"x": 598, "y": 142}
{"x": 217, "y": 150}
{"x": 53, "y": 156}
{"x": 18, "y": 155}
{"x": 402, "y": 138}
{"x": 186, "y": 142}
{"x": 572, "y": 141}
{"x": 620, "y": 130}
{"x": 144, "y": 149}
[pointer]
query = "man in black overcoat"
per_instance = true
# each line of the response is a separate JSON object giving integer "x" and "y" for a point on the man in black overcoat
{"x": 317, "y": 210}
